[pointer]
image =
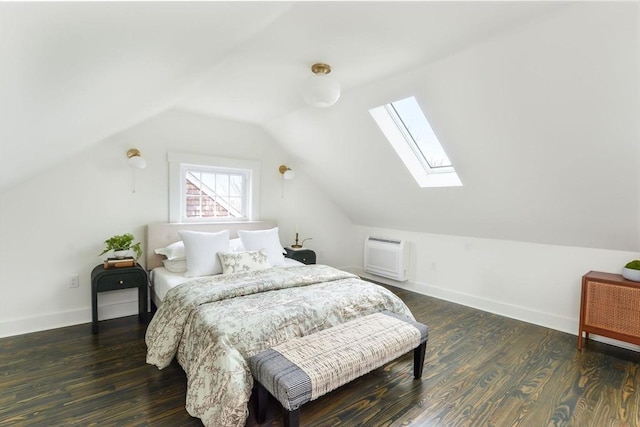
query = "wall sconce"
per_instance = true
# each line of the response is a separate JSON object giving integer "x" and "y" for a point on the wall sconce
{"x": 320, "y": 90}
{"x": 135, "y": 162}
{"x": 135, "y": 159}
{"x": 286, "y": 172}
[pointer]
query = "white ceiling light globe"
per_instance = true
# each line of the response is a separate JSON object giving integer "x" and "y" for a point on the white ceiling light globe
{"x": 137, "y": 162}
{"x": 135, "y": 159}
{"x": 320, "y": 90}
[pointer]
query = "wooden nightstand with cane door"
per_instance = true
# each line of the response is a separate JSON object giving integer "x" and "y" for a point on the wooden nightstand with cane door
{"x": 610, "y": 307}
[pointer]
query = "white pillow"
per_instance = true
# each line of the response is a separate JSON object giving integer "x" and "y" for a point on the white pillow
{"x": 237, "y": 262}
{"x": 173, "y": 251}
{"x": 202, "y": 249}
{"x": 264, "y": 239}
{"x": 175, "y": 265}
{"x": 236, "y": 245}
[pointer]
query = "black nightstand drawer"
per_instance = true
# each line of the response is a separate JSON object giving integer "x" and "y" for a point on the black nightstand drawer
{"x": 121, "y": 281}
{"x": 305, "y": 256}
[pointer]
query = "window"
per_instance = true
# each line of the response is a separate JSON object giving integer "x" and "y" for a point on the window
{"x": 213, "y": 193}
{"x": 212, "y": 189}
{"x": 410, "y": 134}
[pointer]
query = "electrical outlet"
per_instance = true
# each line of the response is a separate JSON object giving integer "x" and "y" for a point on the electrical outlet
{"x": 74, "y": 281}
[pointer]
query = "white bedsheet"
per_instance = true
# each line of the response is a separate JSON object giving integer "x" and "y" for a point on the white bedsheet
{"x": 162, "y": 280}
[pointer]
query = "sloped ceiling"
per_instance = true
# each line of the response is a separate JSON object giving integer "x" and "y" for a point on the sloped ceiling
{"x": 73, "y": 73}
{"x": 542, "y": 124}
{"x": 535, "y": 102}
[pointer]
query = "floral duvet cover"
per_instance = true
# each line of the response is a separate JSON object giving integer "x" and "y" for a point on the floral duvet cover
{"x": 212, "y": 324}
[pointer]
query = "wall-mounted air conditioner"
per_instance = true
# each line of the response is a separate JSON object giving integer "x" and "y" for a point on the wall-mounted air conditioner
{"x": 386, "y": 258}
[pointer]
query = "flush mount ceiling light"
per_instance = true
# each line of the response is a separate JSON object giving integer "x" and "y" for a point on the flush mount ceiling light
{"x": 135, "y": 159}
{"x": 320, "y": 90}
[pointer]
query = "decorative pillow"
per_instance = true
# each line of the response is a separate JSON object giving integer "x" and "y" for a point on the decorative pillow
{"x": 236, "y": 262}
{"x": 173, "y": 251}
{"x": 201, "y": 250}
{"x": 175, "y": 265}
{"x": 264, "y": 239}
{"x": 236, "y": 245}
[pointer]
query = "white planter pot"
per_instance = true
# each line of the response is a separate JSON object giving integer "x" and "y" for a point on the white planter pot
{"x": 631, "y": 274}
{"x": 121, "y": 254}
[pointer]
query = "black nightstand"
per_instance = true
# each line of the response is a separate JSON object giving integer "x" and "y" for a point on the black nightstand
{"x": 305, "y": 256}
{"x": 115, "y": 279}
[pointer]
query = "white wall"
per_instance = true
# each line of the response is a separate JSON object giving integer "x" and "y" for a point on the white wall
{"x": 54, "y": 224}
{"x": 536, "y": 283}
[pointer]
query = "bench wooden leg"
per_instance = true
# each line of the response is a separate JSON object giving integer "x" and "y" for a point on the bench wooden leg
{"x": 261, "y": 403}
{"x": 292, "y": 418}
{"x": 418, "y": 360}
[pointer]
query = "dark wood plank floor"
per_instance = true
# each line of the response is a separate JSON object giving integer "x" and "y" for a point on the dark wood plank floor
{"x": 480, "y": 370}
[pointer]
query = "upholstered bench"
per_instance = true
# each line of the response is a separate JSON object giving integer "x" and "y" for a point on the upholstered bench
{"x": 305, "y": 368}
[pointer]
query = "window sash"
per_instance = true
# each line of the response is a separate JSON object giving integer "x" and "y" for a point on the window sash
{"x": 398, "y": 134}
{"x": 419, "y": 135}
{"x": 221, "y": 194}
{"x": 241, "y": 179}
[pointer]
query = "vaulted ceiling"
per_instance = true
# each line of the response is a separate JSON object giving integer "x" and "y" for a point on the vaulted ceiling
{"x": 536, "y": 102}
{"x": 75, "y": 73}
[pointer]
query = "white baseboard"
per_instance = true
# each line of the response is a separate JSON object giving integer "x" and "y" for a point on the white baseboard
{"x": 45, "y": 322}
{"x": 548, "y": 320}
{"x": 130, "y": 307}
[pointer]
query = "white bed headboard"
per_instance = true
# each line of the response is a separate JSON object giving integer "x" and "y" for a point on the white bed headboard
{"x": 163, "y": 234}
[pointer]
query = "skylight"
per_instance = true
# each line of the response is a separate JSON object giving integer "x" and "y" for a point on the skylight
{"x": 410, "y": 134}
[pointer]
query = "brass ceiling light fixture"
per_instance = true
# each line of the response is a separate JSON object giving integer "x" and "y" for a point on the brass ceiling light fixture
{"x": 321, "y": 90}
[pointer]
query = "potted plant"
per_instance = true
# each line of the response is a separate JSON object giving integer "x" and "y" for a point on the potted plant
{"x": 631, "y": 271}
{"x": 121, "y": 245}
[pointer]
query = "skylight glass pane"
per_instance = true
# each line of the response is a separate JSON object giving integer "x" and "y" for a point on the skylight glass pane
{"x": 420, "y": 130}
{"x": 408, "y": 131}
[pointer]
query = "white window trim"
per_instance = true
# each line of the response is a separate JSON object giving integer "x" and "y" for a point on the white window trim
{"x": 421, "y": 172}
{"x": 178, "y": 160}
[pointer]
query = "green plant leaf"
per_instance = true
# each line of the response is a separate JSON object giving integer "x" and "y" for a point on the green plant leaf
{"x": 634, "y": 265}
{"x": 122, "y": 242}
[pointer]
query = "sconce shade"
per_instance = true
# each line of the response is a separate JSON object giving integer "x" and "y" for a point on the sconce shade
{"x": 320, "y": 90}
{"x": 135, "y": 159}
{"x": 286, "y": 172}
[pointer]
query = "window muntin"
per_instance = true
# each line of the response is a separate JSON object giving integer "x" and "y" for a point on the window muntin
{"x": 408, "y": 131}
{"x": 214, "y": 194}
{"x": 213, "y": 189}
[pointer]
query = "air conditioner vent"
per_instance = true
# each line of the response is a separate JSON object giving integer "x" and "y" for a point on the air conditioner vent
{"x": 379, "y": 239}
{"x": 386, "y": 258}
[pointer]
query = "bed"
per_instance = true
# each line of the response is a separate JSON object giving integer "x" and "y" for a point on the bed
{"x": 213, "y": 323}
